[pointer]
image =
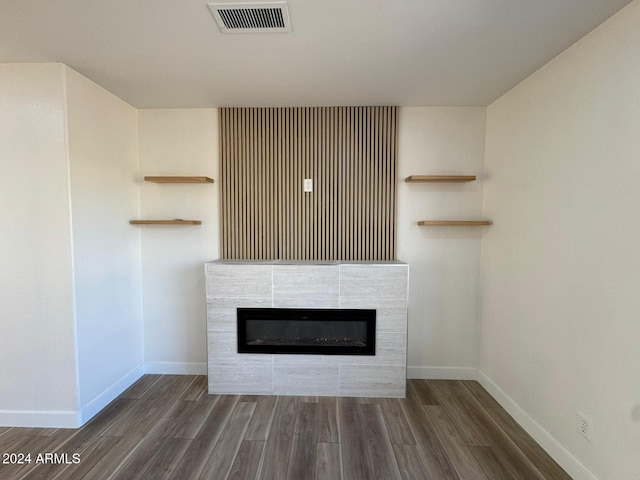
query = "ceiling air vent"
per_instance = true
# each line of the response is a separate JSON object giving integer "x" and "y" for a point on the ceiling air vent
{"x": 251, "y": 17}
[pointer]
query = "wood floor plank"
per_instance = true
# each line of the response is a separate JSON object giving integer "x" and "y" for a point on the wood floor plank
{"x": 520, "y": 465}
{"x": 37, "y": 447}
{"x": 328, "y": 461}
{"x": 155, "y": 406}
{"x": 219, "y": 462}
{"x": 196, "y": 414}
{"x": 39, "y": 432}
{"x": 258, "y": 428}
{"x": 275, "y": 457}
{"x": 396, "y": 422}
{"x": 432, "y": 451}
{"x": 162, "y": 465}
{"x": 450, "y": 394}
{"x": 140, "y": 416}
{"x": 420, "y": 391}
{"x": 196, "y": 389}
{"x": 410, "y": 463}
{"x": 19, "y": 467}
{"x": 328, "y": 425}
{"x": 177, "y": 415}
{"x": 169, "y": 420}
{"x": 354, "y": 444}
{"x": 302, "y": 461}
{"x": 111, "y": 461}
{"x": 543, "y": 462}
{"x": 151, "y": 445}
{"x": 91, "y": 455}
{"x": 82, "y": 441}
{"x": 10, "y": 439}
{"x": 474, "y": 409}
{"x": 100, "y": 423}
{"x": 247, "y": 461}
{"x": 491, "y": 459}
{"x": 480, "y": 394}
{"x": 461, "y": 457}
{"x": 382, "y": 461}
{"x": 202, "y": 445}
{"x": 53, "y": 444}
{"x": 142, "y": 386}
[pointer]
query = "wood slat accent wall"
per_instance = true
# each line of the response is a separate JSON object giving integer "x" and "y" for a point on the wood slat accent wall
{"x": 351, "y": 155}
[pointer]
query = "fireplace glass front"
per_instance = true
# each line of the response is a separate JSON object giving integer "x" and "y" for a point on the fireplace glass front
{"x": 306, "y": 331}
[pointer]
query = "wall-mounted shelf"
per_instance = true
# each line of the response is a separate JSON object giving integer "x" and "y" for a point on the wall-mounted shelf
{"x": 172, "y": 179}
{"x": 177, "y": 221}
{"x": 179, "y": 179}
{"x": 440, "y": 178}
{"x": 454, "y": 223}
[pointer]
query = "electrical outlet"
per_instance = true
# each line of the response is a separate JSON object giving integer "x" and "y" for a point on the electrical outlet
{"x": 584, "y": 426}
{"x": 307, "y": 186}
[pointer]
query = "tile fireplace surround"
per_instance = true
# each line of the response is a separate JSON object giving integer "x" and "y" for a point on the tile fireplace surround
{"x": 280, "y": 284}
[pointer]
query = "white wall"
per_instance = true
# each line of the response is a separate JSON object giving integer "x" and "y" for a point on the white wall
{"x": 177, "y": 142}
{"x": 70, "y": 289}
{"x": 444, "y": 261}
{"x": 561, "y": 266}
{"x": 37, "y": 378}
{"x": 103, "y": 159}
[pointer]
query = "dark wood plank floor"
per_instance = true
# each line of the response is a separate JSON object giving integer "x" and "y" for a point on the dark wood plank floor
{"x": 168, "y": 427}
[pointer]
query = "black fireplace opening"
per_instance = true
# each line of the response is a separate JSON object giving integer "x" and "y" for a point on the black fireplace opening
{"x": 327, "y": 331}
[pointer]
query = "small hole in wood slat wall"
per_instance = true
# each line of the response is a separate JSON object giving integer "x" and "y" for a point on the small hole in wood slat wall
{"x": 350, "y": 153}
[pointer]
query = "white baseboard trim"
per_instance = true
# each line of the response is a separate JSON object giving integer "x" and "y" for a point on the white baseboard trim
{"x": 572, "y": 466}
{"x": 75, "y": 419}
{"x": 175, "y": 368}
{"x": 442, "y": 373}
{"x": 105, "y": 398}
{"x": 69, "y": 419}
{"x": 39, "y": 419}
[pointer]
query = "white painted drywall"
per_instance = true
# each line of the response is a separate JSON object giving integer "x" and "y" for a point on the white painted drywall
{"x": 177, "y": 142}
{"x": 103, "y": 159}
{"x": 444, "y": 261}
{"x": 560, "y": 327}
{"x": 38, "y": 377}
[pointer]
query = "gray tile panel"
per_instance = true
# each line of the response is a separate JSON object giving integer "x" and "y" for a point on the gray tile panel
{"x": 307, "y": 285}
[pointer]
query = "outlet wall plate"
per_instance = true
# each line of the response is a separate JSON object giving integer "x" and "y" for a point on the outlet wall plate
{"x": 583, "y": 425}
{"x": 308, "y": 185}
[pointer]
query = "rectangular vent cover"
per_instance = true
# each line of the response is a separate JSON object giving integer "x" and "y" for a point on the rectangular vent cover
{"x": 251, "y": 17}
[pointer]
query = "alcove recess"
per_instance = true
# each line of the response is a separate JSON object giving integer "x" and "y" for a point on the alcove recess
{"x": 172, "y": 179}
{"x": 446, "y": 179}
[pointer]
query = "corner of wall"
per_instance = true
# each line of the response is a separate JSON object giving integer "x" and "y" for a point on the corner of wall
{"x": 109, "y": 394}
{"x": 568, "y": 462}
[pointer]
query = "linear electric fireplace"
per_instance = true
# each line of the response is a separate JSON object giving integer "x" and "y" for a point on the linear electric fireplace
{"x": 325, "y": 331}
{"x": 326, "y": 291}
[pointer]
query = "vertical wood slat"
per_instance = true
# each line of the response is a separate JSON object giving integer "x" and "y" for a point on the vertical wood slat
{"x": 349, "y": 152}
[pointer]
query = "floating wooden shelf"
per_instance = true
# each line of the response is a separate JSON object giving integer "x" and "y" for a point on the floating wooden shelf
{"x": 454, "y": 223}
{"x": 179, "y": 179}
{"x": 177, "y": 221}
{"x": 440, "y": 178}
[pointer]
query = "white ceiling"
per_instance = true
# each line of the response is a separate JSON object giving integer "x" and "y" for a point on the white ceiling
{"x": 170, "y": 53}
